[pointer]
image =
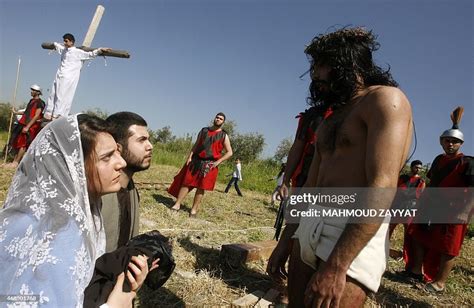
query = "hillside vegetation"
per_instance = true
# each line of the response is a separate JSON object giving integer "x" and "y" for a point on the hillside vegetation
{"x": 201, "y": 278}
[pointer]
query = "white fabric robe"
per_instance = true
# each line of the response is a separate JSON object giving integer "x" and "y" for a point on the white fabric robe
{"x": 66, "y": 80}
{"x": 49, "y": 236}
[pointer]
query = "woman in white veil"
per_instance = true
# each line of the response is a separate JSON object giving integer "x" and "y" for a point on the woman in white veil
{"x": 50, "y": 228}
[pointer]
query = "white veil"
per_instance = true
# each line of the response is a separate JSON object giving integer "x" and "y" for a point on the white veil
{"x": 49, "y": 238}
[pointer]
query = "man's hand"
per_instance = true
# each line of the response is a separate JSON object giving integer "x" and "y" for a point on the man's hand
{"x": 118, "y": 298}
{"x": 283, "y": 191}
{"x": 276, "y": 264}
{"x": 154, "y": 264}
{"x": 325, "y": 287}
{"x": 139, "y": 267}
{"x": 25, "y": 130}
{"x": 17, "y": 112}
{"x": 104, "y": 49}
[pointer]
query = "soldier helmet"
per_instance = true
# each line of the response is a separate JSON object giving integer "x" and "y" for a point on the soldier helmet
{"x": 36, "y": 88}
{"x": 454, "y": 131}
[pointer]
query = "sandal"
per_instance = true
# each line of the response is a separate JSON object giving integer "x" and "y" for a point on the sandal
{"x": 192, "y": 215}
{"x": 174, "y": 210}
{"x": 431, "y": 288}
{"x": 396, "y": 254}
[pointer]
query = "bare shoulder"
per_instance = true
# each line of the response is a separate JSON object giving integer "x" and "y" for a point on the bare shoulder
{"x": 387, "y": 101}
{"x": 387, "y": 97}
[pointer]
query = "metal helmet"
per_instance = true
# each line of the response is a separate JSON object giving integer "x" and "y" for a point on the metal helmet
{"x": 454, "y": 131}
{"x": 36, "y": 88}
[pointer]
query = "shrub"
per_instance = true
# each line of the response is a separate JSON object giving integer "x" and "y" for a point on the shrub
{"x": 5, "y": 113}
{"x": 248, "y": 146}
{"x": 283, "y": 149}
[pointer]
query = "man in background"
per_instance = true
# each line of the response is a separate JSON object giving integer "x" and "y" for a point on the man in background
{"x": 410, "y": 188}
{"x": 201, "y": 168}
{"x": 236, "y": 177}
{"x": 438, "y": 244}
{"x": 28, "y": 125}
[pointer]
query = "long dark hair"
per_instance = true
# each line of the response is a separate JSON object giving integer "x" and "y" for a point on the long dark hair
{"x": 90, "y": 126}
{"x": 348, "y": 52}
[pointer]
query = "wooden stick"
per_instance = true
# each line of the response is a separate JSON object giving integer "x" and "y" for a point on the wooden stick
{"x": 111, "y": 53}
{"x": 13, "y": 105}
{"x": 8, "y": 138}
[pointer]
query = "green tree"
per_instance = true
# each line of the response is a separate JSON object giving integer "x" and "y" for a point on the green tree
{"x": 247, "y": 146}
{"x": 152, "y": 135}
{"x": 5, "y": 114}
{"x": 97, "y": 112}
{"x": 230, "y": 127}
{"x": 164, "y": 135}
{"x": 283, "y": 149}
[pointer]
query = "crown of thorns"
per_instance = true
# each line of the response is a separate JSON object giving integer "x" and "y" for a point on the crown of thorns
{"x": 343, "y": 37}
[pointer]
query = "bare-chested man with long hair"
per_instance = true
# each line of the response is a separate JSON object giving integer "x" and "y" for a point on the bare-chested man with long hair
{"x": 364, "y": 143}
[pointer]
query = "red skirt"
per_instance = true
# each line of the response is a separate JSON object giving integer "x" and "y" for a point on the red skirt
{"x": 440, "y": 239}
{"x": 186, "y": 179}
{"x": 443, "y": 238}
{"x": 24, "y": 140}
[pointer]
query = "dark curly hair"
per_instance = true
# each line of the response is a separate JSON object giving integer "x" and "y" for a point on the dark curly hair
{"x": 348, "y": 52}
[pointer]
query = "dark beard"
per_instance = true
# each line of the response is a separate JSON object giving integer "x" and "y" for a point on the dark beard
{"x": 217, "y": 126}
{"x": 134, "y": 164}
{"x": 326, "y": 99}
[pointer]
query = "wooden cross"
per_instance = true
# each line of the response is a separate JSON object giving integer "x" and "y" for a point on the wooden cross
{"x": 86, "y": 45}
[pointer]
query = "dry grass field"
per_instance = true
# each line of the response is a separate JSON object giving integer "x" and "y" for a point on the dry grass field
{"x": 201, "y": 279}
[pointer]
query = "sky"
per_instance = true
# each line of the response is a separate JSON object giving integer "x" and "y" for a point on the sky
{"x": 192, "y": 59}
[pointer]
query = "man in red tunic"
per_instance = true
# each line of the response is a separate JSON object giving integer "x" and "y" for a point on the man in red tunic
{"x": 410, "y": 187}
{"x": 302, "y": 150}
{"x": 201, "y": 168}
{"x": 28, "y": 127}
{"x": 437, "y": 245}
{"x": 296, "y": 171}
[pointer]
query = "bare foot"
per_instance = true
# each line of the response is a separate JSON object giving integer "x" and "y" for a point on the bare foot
{"x": 175, "y": 208}
{"x": 11, "y": 165}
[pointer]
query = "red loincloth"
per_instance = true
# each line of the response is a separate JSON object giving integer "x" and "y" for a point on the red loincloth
{"x": 186, "y": 179}
{"x": 24, "y": 140}
{"x": 198, "y": 174}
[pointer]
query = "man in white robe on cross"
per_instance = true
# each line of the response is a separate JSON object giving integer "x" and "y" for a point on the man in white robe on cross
{"x": 67, "y": 77}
